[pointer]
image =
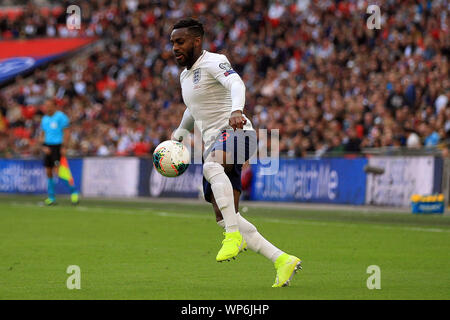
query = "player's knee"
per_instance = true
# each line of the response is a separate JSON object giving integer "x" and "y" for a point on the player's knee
{"x": 218, "y": 156}
{"x": 212, "y": 169}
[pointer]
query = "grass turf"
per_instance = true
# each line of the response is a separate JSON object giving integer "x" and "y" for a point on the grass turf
{"x": 154, "y": 250}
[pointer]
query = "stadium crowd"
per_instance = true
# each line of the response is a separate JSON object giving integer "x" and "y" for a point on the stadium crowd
{"x": 312, "y": 69}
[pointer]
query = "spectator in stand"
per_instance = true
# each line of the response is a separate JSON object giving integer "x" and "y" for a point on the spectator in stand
{"x": 311, "y": 71}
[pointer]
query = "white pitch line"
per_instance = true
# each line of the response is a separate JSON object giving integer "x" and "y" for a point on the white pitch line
{"x": 315, "y": 223}
{"x": 321, "y": 223}
{"x": 143, "y": 211}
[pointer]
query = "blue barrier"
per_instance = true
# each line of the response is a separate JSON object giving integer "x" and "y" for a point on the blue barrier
{"x": 185, "y": 186}
{"x": 331, "y": 180}
{"x": 322, "y": 180}
{"x": 29, "y": 176}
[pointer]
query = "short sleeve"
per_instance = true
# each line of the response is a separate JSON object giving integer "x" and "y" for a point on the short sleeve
{"x": 64, "y": 120}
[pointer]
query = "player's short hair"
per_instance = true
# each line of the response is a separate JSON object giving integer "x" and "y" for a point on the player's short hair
{"x": 194, "y": 26}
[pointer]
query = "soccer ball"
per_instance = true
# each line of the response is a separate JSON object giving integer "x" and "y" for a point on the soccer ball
{"x": 171, "y": 158}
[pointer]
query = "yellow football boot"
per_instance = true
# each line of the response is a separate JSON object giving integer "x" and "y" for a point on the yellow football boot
{"x": 286, "y": 266}
{"x": 231, "y": 246}
{"x": 74, "y": 198}
{"x": 49, "y": 202}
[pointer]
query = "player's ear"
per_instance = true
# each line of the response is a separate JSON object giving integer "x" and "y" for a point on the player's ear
{"x": 198, "y": 41}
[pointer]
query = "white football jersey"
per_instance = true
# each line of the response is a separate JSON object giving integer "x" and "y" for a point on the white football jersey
{"x": 205, "y": 94}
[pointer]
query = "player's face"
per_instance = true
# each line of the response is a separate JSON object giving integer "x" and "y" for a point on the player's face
{"x": 50, "y": 107}
{"x": 182, "y": 46}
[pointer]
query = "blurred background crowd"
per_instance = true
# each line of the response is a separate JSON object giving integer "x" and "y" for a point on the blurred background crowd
{"x": 312, "y": 69}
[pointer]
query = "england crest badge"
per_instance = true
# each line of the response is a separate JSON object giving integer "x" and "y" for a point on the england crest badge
{"x": 197, "y": 75}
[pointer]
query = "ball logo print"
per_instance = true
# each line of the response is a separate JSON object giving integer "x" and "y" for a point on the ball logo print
{"x": 73, "y": 22}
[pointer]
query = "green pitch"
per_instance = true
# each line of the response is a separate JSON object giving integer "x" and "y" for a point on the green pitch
{"x": 147, "y": 250}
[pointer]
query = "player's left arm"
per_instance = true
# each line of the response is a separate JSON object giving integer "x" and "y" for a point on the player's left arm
{"x": 237, "y": 89}
{"x": 224, "y": 73}
{"x": 66, "y": 140}
{"x": 65, "y": 124}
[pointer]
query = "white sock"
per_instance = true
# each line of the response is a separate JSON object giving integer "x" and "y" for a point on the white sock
{"x": 255, "y": 241}
{"x": 223, "y": 193}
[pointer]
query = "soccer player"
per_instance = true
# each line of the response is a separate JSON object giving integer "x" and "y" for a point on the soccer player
{"x": 215, "y": 96}
{"x": 52, "y": 137}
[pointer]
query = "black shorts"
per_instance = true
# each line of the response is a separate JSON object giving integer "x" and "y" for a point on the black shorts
{"x": 243, "y": 147}
{"x": 52, "y": 160}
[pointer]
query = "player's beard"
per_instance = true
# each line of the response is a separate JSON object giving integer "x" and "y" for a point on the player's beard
{"x": 190, "y": 57}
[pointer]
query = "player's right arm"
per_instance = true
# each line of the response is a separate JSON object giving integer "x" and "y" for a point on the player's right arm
{"x": 186, "y": 126}
{"x": 42, "y": 140}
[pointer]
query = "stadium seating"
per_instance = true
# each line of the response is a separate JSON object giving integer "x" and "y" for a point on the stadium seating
{"x": 312, "y": 69}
